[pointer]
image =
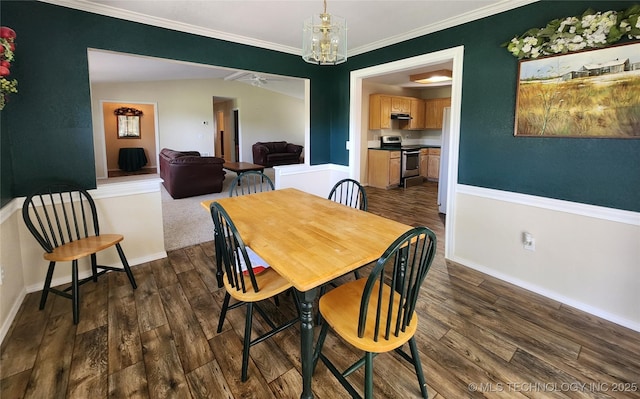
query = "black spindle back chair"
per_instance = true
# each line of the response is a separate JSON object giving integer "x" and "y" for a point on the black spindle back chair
{"x": 349, "y": 192}
{"x": 248, "y": 288}
{"x": 64, "y": 220}
{"x": 383, "y": 305}
{"x": 250, "y": 182}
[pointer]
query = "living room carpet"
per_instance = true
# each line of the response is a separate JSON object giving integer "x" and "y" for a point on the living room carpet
{"x": 186, "y": 222}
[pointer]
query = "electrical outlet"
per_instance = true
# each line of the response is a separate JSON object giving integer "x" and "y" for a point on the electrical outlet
{"x": 1, "y": 275}
{"x": 528, "y": 242}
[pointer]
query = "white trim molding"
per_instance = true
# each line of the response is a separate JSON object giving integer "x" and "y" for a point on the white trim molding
{"x": 594, "y": 211}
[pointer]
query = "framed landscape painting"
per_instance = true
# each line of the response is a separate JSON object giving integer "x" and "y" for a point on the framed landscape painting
{"x": 590, "y": 94}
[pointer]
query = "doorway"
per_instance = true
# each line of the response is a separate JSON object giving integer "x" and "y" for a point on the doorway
{"x": 225, "y": 140}
{"x": 358, "y": 141}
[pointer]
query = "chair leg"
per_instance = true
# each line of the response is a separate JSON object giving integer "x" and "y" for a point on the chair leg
{"x": 247, "y": 341}
{"x": 319, "y": 344}
{"x": 75, "y": 293}
{"x": 368, "y": 376}
{"x": 47, "y": 285}
{"x": 127, "y": 269}
{"x": 219, "y": 273}
{"x": 94, "y": 267}
{"x": 418, "y": 366}
{"x": 223, "y": 312}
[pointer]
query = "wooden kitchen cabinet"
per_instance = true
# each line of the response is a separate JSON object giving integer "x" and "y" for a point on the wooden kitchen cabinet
{"x": 434, "y": 110}
{"x": 379, "y": 111}
{"x": 383, "y": 168}
{"x": 417, "y": 111}
{"x": 430, "y": 163}
{"x": 424, "y": 162}
{"x": 400, "y": 105}
{"x": 433, "y": 164}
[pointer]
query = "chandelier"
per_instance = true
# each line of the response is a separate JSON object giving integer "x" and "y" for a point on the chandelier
{"x": 324, "y": 39}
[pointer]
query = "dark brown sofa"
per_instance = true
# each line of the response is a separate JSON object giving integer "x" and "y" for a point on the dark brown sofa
{"x": 186, "y": 173}
{"x": 273, "y": 153}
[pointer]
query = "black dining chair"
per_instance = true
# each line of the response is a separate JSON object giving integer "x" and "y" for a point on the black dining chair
{"x": 64, "y": 220}
{"x": 349, "y": 192}
{"x": 247, "y": 283}
{"x": 377, "y": 314}
{"x": 250, "y": 182}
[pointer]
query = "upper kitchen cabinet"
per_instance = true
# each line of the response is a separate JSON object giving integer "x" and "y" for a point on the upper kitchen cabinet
{"x": 417, "y": 121}
{"x": 379, "y": 111}
{"x": 381, "y": 106}
{"x": 434, "y": 110}
{"x": 400, "y": 105}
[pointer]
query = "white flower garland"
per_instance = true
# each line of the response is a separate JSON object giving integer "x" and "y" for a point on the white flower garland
{"x": 591, "y": 30}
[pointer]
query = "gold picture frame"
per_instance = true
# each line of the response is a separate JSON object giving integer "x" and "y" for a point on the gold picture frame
{"x": 588, "y": 94}
{"x": 128, "y": 122}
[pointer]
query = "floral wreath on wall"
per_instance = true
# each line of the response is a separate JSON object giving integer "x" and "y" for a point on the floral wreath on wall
{"x": 7, "y": 47}
{"x": 591, "y": 30}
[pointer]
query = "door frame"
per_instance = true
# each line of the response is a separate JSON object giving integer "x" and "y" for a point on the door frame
{"x": 357, "y": 139}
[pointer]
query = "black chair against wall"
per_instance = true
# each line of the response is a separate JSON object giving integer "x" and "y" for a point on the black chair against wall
{"x": 377, "y": 314}
{"x": 250, "y": 182}
{"x": 248, "y": 287}
{"x": 64, "y": 220}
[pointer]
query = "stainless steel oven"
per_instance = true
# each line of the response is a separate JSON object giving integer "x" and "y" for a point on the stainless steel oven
{"x": 410, "y": 163}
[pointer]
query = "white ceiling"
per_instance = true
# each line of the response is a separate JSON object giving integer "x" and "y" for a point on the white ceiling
{"x": 276, "y": 25}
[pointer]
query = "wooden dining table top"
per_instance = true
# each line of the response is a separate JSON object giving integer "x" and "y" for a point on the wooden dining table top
{"x": 307, "y": 239}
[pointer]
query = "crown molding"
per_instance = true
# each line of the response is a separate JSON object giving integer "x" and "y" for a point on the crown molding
{"x": 114, "y": 12}
{"x": 461, "y": 19}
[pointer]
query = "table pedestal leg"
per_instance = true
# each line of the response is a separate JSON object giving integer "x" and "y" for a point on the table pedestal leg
{"x": 306, "y": 340}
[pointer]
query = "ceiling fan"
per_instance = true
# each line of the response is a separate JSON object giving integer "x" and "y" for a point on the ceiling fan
{"x": 252, "y": 78}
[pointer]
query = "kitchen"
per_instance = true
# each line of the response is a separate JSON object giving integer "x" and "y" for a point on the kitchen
{"x": 406, "y": 122}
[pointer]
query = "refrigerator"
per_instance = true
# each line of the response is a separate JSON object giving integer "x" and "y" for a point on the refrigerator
{"x": 444, "y": 161}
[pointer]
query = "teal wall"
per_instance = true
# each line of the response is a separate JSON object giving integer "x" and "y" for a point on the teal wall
{"x": 602, "y": 172}
{"x": 47, "y": 126}
{"x": 47, "y": 131}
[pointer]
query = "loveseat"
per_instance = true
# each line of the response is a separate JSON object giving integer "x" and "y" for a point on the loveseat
{"x": 186, "y": 173}
{"x": 273, "y": 153}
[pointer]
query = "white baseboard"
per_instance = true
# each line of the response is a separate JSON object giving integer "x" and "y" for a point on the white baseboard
{"x": 86, "y": 273}
{"x": 551, "y": 295}
{"x": 15, "y": 307}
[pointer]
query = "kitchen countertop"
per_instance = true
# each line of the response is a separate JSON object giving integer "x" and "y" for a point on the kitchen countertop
{"x": 413, "y": 146}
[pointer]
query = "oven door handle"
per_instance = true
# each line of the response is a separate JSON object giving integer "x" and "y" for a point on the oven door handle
{"x": 411, "y": 152}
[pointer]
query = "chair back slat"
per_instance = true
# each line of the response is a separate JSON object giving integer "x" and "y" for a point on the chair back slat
{"x": 60, "y": 214}
{"x": 234, "y": 251}
{"x": 250, "y": 182}
{"x": 349, "y": 192}
{"x": 394, "y": 283}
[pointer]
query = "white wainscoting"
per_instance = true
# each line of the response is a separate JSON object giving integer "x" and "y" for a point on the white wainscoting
{"x": 586, "y": 256}
{"x": 131, "y": 208}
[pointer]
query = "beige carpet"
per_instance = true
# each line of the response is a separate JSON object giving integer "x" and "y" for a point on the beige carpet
{"x": 186, "y": 222}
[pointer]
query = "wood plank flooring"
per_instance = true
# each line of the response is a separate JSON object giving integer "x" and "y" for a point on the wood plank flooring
{"x": 478, "y": 337}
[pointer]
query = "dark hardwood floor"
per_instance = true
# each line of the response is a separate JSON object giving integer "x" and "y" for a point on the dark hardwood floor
{"x": 478, "y": 337}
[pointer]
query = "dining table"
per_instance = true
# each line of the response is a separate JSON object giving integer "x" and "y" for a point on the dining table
{"x": 309, "y": 240}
